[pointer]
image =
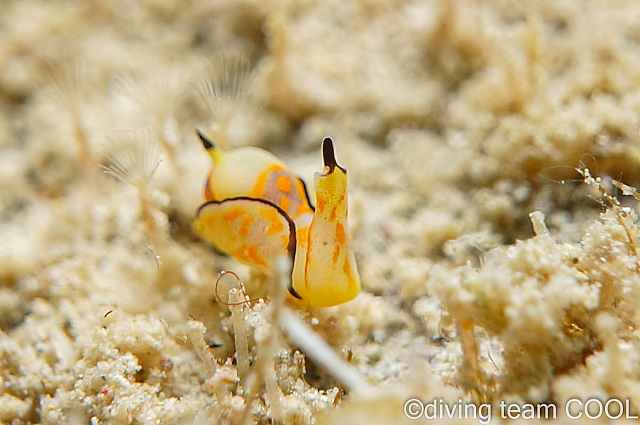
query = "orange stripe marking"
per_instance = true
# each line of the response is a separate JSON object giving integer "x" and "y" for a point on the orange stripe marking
{"x": 255, "y": 257}
{"x": 340, "y": 234}
{"x": 244, "y": 227}
{"x": 231, "y": 215}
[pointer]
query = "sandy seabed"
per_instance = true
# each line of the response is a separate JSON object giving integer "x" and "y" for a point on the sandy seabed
{"x": 498, "y": 255}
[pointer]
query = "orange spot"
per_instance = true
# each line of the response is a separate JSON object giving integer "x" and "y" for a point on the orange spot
{"x": 231, "y": 215}
{"x": 332, "y": 213}
{"x": 336, "y": 253}
{"x": 346, "y": 267}
{"x": 208, "y": 221}
{"x": 285, "y": 203}
{"x": 271, "y": 215}
{"x": 275, "y": 228}
{"x": 240, "y": 253}
{"x": 255, "y": 257}
{"x": 284, "y": 183}
{"x": 322, "y": 203}
{"x": 340, "y": 234}
{"x": 244, "y": 227}
{"x": 302, "y": 234}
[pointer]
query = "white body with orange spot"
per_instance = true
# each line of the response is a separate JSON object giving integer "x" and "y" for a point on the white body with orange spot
{"x": 258, "y": 211}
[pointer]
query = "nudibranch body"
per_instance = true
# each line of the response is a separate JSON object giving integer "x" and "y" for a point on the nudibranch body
{"x": 258, "y": 211}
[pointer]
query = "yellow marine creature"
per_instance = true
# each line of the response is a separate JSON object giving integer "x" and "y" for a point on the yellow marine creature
{"x": 257, "y": 210}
